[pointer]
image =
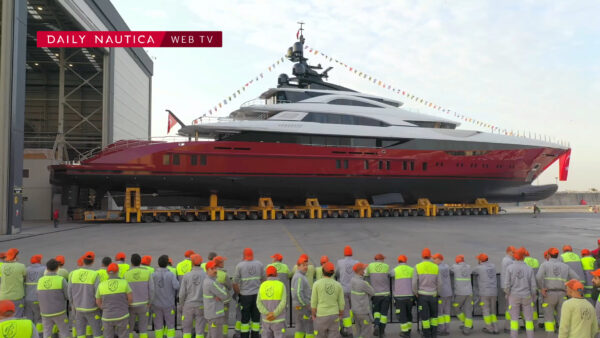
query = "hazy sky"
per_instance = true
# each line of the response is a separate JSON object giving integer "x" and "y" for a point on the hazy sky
{"x": 523, "y": 65}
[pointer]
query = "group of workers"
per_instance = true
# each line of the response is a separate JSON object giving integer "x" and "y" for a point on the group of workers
{"x": 347, "y": 299}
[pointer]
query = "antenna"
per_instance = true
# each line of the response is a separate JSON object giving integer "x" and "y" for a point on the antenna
{"x": 299, "y": 34}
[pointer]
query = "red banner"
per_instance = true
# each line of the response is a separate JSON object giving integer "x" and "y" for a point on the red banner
{"x": 172, "y": 122}
{"x": 146, "y": 39}
{"x": 563, "y": 165}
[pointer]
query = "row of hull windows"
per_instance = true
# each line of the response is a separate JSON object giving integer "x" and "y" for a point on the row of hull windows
{"x": 320, "y": 140}
{"x": 175, "y": 159}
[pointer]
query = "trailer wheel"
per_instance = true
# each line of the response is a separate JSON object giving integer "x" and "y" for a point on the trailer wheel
{"x": 335, "y": 214}
{"x": 450, "y": 212}
{"x": 175, "y": 218}
{"x": 376, "y": 213}
{"x": 228, "y": 216}
{"x": 301, "y": 215}
{"x": 202, "y": 217}
{"x": 241, "y": 216}
{"x": 278, "y": 215}
{"x": 253, "y": 216}
{"x": 395, "y": 213}
{"x": 405, "y": 213}
{"x": 459, "y": 212}
{"x": 484, "y": 212}
{"x": 414, "y": 213}
{"x": 475, "y": 212}
{"x": 421, "y": 212}
{"x": 148, "y": 218}
{"x": 162, "y": 218}
{"x": 324, "y": 214}
{"x": 345, "y": 214}
{"x": 189, "y": 217}
{"x": 289, "y": 215}
{"x": 386, "y": 213}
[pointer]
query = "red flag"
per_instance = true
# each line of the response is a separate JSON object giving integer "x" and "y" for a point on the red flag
{"x": 297, "y": 34}
{"x": 563, "y": 165}
{"x": 172, "y": 122}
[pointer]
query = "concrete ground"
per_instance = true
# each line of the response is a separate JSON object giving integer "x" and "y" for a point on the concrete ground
{"x": 450, "y": 235}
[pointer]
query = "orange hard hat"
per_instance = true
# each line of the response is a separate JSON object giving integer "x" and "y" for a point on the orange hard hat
{"x": 60, "y": 259}
{"x": 359, "y": 266}
{"x": 328, "y": 267}
{"x": 574, "y": 284}
{"x": 379, "y": 257}
{"x": 271, "y": 271}
{"x": 347, "y": 250}
{"x": 567, "y": 248}
{"x": 210, "y": 265}
{"x": 11, "y": 254}
{"x": 402, "y": 259}
{"x": 112, "y": 268}
{"x": 278, "y": 257}
{"x": 324, "y": 259}
{"x": 248, "y": 254}
{"x": 188, "y": 253}
{"x": 146, "y": 260}
{"x": 120, "y": 256}
{"x": 196, "y": 259}
{"x": 585, "y": 252}
{"x": 6, "y": 307}
{"x": 438, "y": 256}
{"x": 482, "y": 257}
{"x": 459, "y": 259}
{"x": 426, "y": 253}
{"x": 36, "y": 259}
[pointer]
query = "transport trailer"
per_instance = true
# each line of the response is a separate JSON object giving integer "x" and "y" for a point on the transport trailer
{"x": 267, "y": 210}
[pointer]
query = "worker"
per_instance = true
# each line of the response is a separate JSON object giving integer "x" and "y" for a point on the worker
{"x": 185, "y": 265}
{"x": 588, "y": 263}
{"x": 520, "y": 286}
{"x": 361, "y": 293}
{"x": 163, "y": 303}
{"x": 596, "y": 280}
{"x": 596, "y": 252}
{"x": 426, "y": 284}
{"x": 445, "y": 295}
{"x": 377, "y": 274}
{"x": 551, "y": 278}
{"x": 120, "y": 258}
{"x": 577, "y": 314}
{"x": 191, "y": 303}
{"x": 546, "y": 256}
{"x": 534, "y": 264}
{"x": 319, "y": 270}
{"x": 13, "y": 277}
{"x": 463, "y": 293}
{"x": 214, "y": 293}
{"x": 327, "y": 304}
{"x": 210, "y": 257}
{"x": 301, "y": 292}
{"x": 32, "y": 306}
{"x": 171, "y": 268}
{"x": 310, "y": 272}
{"x": 61, "y": 267}
{"x": 141, "y": 283}
{"x": 284, "y": 275}
{"x": 485, "y": 272}
{"x": 402, "y": 276}
{"x": 82, "y": 293}
{"x": 114, "y": 296}
{"x": 53, "y": 294}
{"x": 344, "y": 275}
{"x": 507, "y": 260}
{"x": 102, "y": 271}
{"x": 271, "y": 303}
{"x": 573, "y": 261}
{"x": 223, "y": 278}
{"x": 247, "y": 278}
{"x": 146, "y": 263}
{"x": 20, "y": 327}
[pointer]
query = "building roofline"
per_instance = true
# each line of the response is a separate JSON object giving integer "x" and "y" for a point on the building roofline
{"x": 112, "y": 19}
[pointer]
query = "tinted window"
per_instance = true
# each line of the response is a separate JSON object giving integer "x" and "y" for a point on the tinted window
{"x": 346, "y": 102}
{"x": 343, "y": 119}
{"x": 176, "y": 159}
{"x": 166, "y": 159}
{"x": 194, "y": 159}
{"x": 203, "y": 159}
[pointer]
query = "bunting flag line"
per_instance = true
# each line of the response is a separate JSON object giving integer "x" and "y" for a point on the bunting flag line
{"x": 239, "y": 91}
{"x": 430, "y": 104}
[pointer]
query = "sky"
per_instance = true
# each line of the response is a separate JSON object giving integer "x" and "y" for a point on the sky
{"x": 526, "y": 66}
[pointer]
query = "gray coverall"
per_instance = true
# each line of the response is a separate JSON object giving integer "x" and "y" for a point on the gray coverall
{"x": 32, "y": 306}
{"x": 214, "y": 293}
{"x": 142, "y": 286}
{"x": 506, "y": 261}
{"x": 192, "y": 302}
{"x": 249, "y": 275}
{"x": 343, "y": 273}
{"x": 552, "y": 275}
{"x": 463, "y": 293}
{"x": 360, "y": 295}
{"x": 52, "y": 292}
{"x": 163, "y": 304}
{"x": 301, "y": 292}
{"x": 488, "y": 293}
{"x": 521, "y": 289}
{"x": 445, "y": 299}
